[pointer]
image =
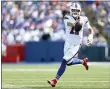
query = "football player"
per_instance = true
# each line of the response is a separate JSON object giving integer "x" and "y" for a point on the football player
{"x": 74, "y": 24}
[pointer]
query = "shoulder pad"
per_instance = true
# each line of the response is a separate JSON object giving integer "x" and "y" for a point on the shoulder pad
{"x": 66, "y": 17}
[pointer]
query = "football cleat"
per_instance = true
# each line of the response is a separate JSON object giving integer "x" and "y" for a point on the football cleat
{"x": 85, "y": 60}
{"x": 52, "y": 82}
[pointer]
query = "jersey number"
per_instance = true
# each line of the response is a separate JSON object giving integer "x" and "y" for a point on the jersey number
{"x": 73, "y": 31}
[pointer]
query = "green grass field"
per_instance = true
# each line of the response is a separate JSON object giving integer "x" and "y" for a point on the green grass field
{"x": 35, "y": 76}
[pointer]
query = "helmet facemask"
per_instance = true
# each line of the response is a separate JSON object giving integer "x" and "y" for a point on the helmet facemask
{"x": 75, "y": 12}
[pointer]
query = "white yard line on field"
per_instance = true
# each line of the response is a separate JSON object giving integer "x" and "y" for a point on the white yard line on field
{"x": 61, "y": 81}
{"x": 14, "y": 86}
{"x": 27, "y": 86}
{"x": 99, "y": 64}
{"x": 69, "y": 78}
{"x": 33, "y": 70}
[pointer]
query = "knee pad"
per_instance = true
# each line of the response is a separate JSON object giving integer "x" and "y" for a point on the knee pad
{"x": 69, "y": 62}
{"x": 64, "y": 61}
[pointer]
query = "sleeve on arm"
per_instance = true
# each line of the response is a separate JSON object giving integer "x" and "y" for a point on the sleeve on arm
{"x": 88, "y": 24}
{"x": 67, "y": 22}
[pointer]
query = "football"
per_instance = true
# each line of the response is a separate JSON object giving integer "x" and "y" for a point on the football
{"x": 78, "y": 26}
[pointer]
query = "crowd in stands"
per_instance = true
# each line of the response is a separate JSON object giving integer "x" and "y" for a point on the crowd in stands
{"x": 32, "y": 21}
{"x": 102, "y": 11}
{"x": 35, "y": 21}
{"x": 99, "y": 15}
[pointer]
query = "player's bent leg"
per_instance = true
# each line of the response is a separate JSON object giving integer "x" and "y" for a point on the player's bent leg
{"x": 74, "y": 61}
{"x": 60, "y": 72}
{"x": 62, "y": 68}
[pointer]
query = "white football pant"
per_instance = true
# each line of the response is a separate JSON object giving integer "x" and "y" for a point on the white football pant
{"x": 70, "y": 50}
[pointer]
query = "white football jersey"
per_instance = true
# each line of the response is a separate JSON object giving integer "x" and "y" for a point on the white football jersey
{"x": 71, "y": 35}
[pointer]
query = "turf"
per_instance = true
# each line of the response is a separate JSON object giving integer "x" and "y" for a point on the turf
{"x": 35, "y": 76}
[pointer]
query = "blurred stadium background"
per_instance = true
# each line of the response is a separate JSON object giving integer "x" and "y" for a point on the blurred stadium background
{"x": 34, "y": 32}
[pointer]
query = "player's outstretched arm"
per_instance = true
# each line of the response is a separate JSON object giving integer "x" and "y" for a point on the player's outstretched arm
{"x": 90, "y": 33}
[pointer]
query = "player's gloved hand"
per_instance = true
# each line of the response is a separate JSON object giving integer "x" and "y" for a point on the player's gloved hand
{"x": 90, "y": 39}
{"x": 78, "y": 26}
